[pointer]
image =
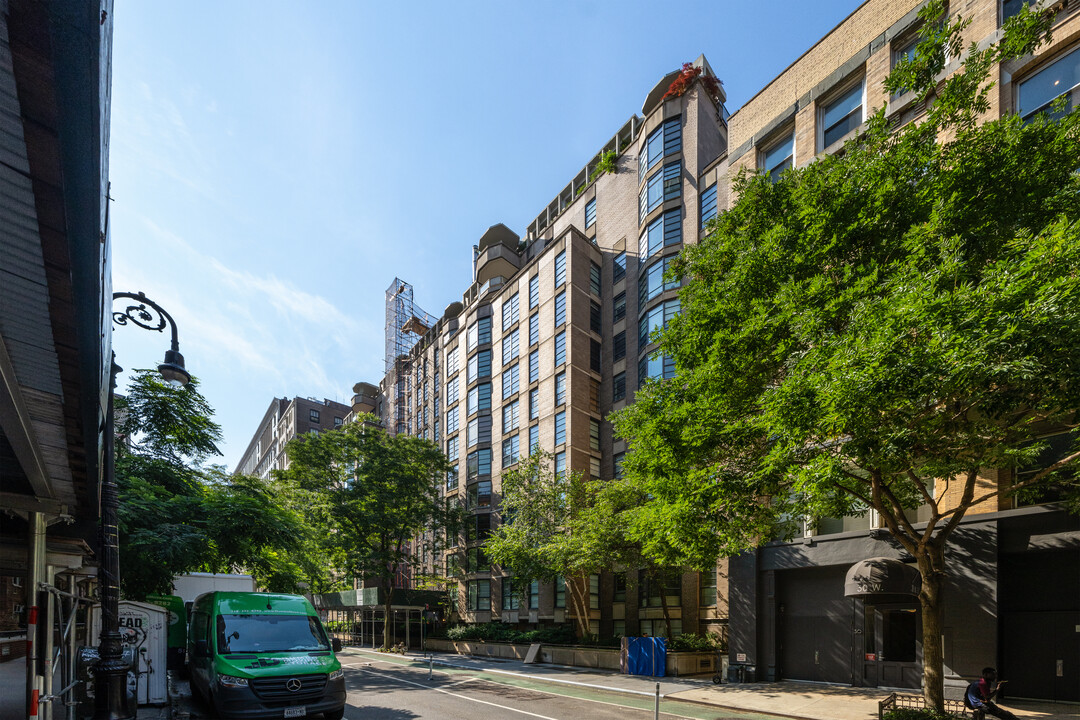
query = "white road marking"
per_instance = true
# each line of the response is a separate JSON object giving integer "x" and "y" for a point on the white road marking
{"x": 463, "y": 697}
{"x": 459, "y": 682}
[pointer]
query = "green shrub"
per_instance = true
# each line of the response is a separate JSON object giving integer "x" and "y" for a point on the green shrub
{"x": 692, "y": 642}
{"x": 918, "y": 714}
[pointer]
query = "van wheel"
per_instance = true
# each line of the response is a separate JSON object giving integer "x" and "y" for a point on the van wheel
{"x": 334, "y": 714}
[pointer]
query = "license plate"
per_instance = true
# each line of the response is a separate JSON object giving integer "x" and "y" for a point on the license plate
{"x": 300, "y": 711}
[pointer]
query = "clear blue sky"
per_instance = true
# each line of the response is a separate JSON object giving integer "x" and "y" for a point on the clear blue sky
{"x": 275, "y": 165}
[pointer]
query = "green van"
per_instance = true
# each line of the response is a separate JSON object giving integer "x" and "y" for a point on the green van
{"x": 263, "y": 655}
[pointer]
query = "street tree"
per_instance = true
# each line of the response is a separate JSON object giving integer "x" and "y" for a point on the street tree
{"x": 177, "y": 514}
{"x": 876, "y": 328}
{"x": 379, "y": 494}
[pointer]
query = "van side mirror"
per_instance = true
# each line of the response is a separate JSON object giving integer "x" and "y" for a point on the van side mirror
{"x": 202, "y": 650}
{"x": 335, "y": 643}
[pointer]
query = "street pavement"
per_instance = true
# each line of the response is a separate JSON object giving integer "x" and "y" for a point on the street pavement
{"x": 394, "y": 687}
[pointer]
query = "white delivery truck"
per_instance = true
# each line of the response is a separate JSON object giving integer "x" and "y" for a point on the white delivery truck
{"x": 192, "y": 585}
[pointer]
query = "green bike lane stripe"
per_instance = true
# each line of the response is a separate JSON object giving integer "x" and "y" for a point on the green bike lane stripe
{"x": 671, "y": 707}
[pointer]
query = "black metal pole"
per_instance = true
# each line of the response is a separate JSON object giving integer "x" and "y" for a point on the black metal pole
{"x": 110, "y": 673}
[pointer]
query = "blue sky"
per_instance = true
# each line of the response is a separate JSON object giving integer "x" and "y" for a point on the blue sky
{"x": 275, "y": 165}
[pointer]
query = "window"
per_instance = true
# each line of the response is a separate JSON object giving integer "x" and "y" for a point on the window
{"x": 779, "y": 156}
{"x": 452, "y": 449}
{"x": 1062, "y": 78}
{"x": 664, "y": 185}
{"x": 594, "y": 279}
{"x": 452, "y": 476}
{"x": 534, "y": 328}
{"x": 708, "y": 589}
{"x": 534, "y": 366}
{"x": 1012, "y": 7}
{"x": 560, "y": 592}
{"x": 560, "y": 388}
{"x": 659, "y": 366}
{"x": 594, "y": 468}
{"x": 451, "y": 361}
{"x": 452, "y": 420}
{"x": 619, "y": 268}
{"x": 842, "y": 115}
{"x": 905, "y": 53}
{"x": 594, "y": 592}
{"x": 590, "y": 213}
{"x": 510, "y": 451}
{"x": 479, "y": 594}
{"x": 620, "y": 307}
{"x": 510, "y": 600}
{"x": 594, "y": 355}
{"x": 594, "y": 434}
{"x": 476, "y": 561}
{"x": 479, "y": 366}
{"x": 560, "y": 269}
{"x": 664, "y": 140}
{"x": 479, "y": 333}
{"x": 560, "y": 427}
{"x": 534, "y": 403}
{"x": 509, "y": 311}
{"x": 708, "y": 204}
{"x": 534, "y": 437}
{"x": 669, "y": 583}
{"x": 338, "y": 422}
{"x": 560, "y": 465}
{"x": 478, "y": 528}
{"x": 534, "y": 595}
{"x": 479, "y": 399}
{"x": 594, "y": 395}
{"x": 560, "y": 349}
{"x": 656, "y": 318}
{"x": 560, "y": 309}
{"x": 510, "y": 347}
{"x": 510, "y": 382}
{"x": 452, "y": 390}
{"x": 618, "y": 346}
{"x": 479, "y": 494}
{"x": 664, "y": 231}
{"x": 652, "y": 283}
{"x": 617, "y": 459}
{"x": 534, "y": 291}
{"x": 478, "y": 463}
{"x": 619, "y": 582}
{"x": 472, "y": 433}
{"x": 314, "y": 415}
{"x": 510, "y": 417}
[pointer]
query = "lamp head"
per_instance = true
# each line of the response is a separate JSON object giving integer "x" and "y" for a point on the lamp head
{"x": 173, "y": 371}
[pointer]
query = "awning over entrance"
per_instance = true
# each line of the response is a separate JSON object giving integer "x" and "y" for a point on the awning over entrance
{"x": 882, "y": 580}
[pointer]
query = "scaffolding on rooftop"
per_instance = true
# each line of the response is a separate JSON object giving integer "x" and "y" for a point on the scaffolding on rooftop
{"x": 406, "y": 323}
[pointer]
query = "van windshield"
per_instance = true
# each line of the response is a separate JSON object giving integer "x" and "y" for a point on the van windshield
{"x": 269, "y": 633}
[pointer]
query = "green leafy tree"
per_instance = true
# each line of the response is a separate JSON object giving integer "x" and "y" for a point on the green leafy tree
{"x": 379, "y": 493}
{"x": 874, "y": 329}
{"x": 178, "y": 515}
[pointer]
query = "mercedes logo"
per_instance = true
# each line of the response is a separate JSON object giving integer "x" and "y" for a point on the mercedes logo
{"x": 293, "y": 684}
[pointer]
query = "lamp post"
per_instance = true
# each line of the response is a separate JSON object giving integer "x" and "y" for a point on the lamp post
{"x": 110, "y": 673}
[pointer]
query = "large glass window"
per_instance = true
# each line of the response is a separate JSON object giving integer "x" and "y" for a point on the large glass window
{"x": 534, "y": 437}
{"x": 478, "y": 463}
{"x": 560, "y": 592}
{"x": 665, "y": 185}
{"x": 708, "y": 204}
{"x": 510, "y": 346}
{"x": 618, "y": 346}
{"x": 560, "y": 269}
{"x": 618, "y": 385}
{"x": 479, "y": 333}
{"x": 452, "y": 390}
{"x": 1038, "y": 93}
{"x": 451, "y": 361}
{"x": 534, "y": 291}
{"x": 594, "y": 279}
{"x": 510, "y": 599}
{"x": 590, "y": 213}
{"x": 1012, "y": 7}
{"x": 479, "y": 366}
{"x": 560, "y": 427}
{"x": 534, "y": 328}
{"x": 594, "y": 434}
{"x": 534, "y": 366}
{"x": 656, "y": 318}
{"x": 452, "y": 420}
{"x": 560, "y": 464}
{"x": 560, "y": 388}
{"x": 479, "y": 595}
{"x": 479, "y": 398}
{"x": 659, "y": 366}
{"x": 560, "y": 349}
{"x": 510, "y": 311}
{"x": 664, "y": 231}
{"x": 534, "y": 595}
{"x": 594, "y": 355}
{"x": 479, "y": 493}
{"x": 652, "y": 281}
{"x": 664, "y": 140}
{"x": 618, "y": 271}
{"x": 619, "y": 307}
{"x": 534, "y": 403}
{"x": 510, "y": 382}
{"x": 478, "y": 431}
{"x": 478, "y": 528}
{"x": 510, "y": 416}
{"x": 560, "y": 309}
{"x": 595, "y": 322}
{"x": 510, "y": 451}
{"x": 842, "y": 115}
{"x": 708, "y": 589}
{"x": 779, "y": 156}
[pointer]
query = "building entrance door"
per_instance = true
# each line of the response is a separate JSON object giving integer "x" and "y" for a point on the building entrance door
{"x": 892, "y": 650}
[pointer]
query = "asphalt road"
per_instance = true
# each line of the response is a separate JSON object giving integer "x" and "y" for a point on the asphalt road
{"x": 391, "y": 690}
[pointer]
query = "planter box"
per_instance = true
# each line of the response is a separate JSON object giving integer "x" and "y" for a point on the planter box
{"x": 682, "y": 663}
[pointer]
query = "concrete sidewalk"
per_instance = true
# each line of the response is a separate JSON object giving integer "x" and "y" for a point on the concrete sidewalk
{"x": 811, "y": 701}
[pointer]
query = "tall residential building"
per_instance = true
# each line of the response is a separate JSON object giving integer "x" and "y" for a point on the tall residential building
{"x": 282, "y": 421}
{"x": 550, "y": 336}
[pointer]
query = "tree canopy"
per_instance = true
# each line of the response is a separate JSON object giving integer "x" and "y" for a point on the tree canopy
{"x": 875, "y": 329}
{"x": 179, "y": 515}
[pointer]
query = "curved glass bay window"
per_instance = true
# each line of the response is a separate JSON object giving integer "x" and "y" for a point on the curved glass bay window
{"x": 652, "y": 281}
{"x": 662, "y": 232}
{"x": 664, "y": 185}
{"x": 663, "y": 141}
{"x": 655, "y": 319}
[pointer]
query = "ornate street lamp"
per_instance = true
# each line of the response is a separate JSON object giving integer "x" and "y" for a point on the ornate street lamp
{"x": 110, "y": 673}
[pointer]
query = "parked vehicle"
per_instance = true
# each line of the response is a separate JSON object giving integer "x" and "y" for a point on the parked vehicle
{"x": 263, "y": 655}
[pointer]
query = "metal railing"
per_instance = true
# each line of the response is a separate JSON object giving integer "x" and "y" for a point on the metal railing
{"x": 917, "y": 702}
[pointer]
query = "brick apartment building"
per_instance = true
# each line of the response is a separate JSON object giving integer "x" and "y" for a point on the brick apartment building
{"x": 282, "y": 421}
{"x": 552, "y": 335}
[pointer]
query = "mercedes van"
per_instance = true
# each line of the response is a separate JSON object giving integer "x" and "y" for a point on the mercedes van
{"x": 263, "y": 655}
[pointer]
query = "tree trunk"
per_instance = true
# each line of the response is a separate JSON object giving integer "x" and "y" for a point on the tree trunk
{"x": 579, "y": 596}
{"x": 388, "y": 587}
{"x": 931, "y": 561}
{"x": 664, "y": 607}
